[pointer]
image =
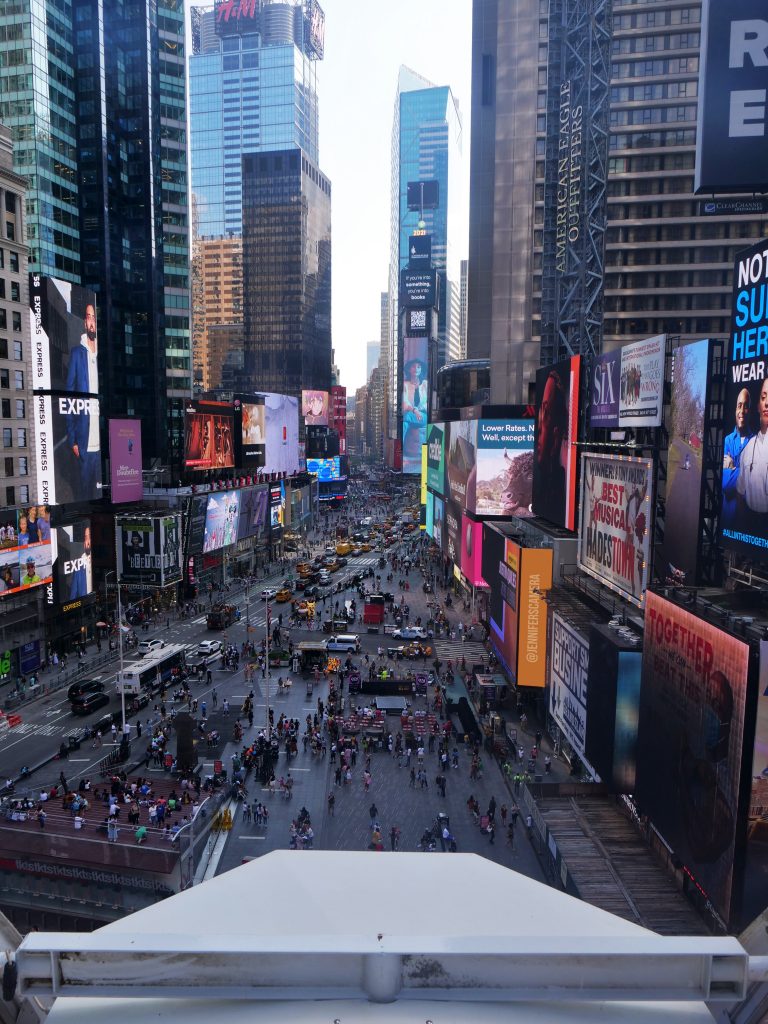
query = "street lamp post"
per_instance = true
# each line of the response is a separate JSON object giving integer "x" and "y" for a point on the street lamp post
{"x": 120, "y": 635}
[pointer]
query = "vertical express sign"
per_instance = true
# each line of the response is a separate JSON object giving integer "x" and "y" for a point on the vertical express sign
{"x": 744, "y": 517}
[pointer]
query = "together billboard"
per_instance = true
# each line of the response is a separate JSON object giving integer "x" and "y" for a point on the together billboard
{"x": 554, "y": 463}
{"x": 25, "y": 548}
{"x": 744, "y": 513}
{"x": 628, "y": 385}
{"x": 614, "y": 534}
{"x": 504, "y": 458}
{"x": 415, "y": 401}
{"x": 209, "y": 436}
{"x": 690, "y": 736}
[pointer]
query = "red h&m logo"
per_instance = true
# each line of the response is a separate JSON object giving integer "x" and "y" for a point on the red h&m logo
{"x": 232, "y": 10}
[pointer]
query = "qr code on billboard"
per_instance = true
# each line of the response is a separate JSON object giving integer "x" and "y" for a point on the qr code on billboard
{"x": 418, "y": 319}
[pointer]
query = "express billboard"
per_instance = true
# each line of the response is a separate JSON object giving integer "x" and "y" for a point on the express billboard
{"x": 64, "y": 336}
{"x": 436, "y": 457}
{"x": 125, "y": 461}
{"x": 221, "y": 518}
{"x": 209, "y": 436}
{"x": 250, "y": 431}
{"x": 569, "y": 669}
{"x": 25, "y": 548}
{"x": 554, "y": 462}
{"x": 325, "y": 469}
{"x": 731, "y": 147}
{"x": 282, "y": 420}
{"x": 627, "y": 385}
{"x": 68, "y": 455}
{"x": 314, "y": 408}
{"x": 744, "y": 513}
{"x": 415, "y": 401}
{"x": 504, "y": 467}
{"x": 149, "y": 549}
{"x": 72, "y": 564}
{"x": 614, "y": 533}
{"x": 677, "y": 558}
{"x": 460, "y": 455}
{"x": 690, "y": 735}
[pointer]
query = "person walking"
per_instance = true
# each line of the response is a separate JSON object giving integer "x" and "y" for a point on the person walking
{"x": 394, "y": 838}
{"x": 214, "y": 698}
{"x": 492, "y": 809}
{"x": 374, "y": 813}
{"x": 331, "y": 803}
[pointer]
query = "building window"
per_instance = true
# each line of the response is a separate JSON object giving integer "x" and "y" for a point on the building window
{"x": 3, "y": 348}
{"x": 23, "y": 465}
{"x": 16, "y": 347}
{"x": 10, "y": 230}
{"x": 13, "y": 262}
{"x": 5, "y": 408}
{"x": 24, "y": 494}
{"x": 16, "y": 318}
{"x": 21, "y": 437}
{"x": 15, "y": 291}
{"x": 10, "y": 495}
{"x": 21, "y": 409}
{"x": 7, "y": 437}
{"x": 8, "y": 466}
{"x": 18, "y": 380}
{"x": 3, "y": 319}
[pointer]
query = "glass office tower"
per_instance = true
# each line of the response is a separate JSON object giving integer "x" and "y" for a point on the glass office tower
{"x": 99, "y": 130}
{"x": 426, "y": 145}
{"x": 253, "y": 88}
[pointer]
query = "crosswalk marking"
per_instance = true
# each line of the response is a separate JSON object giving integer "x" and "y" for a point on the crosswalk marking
{"x": 472, "y": 652}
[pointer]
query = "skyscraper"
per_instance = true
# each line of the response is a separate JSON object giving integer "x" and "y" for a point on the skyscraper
{"x": 253, "y": 88}
{"x": 287, "y": 272}
{"x": 426, "y": 145}
{"x": 372, "y": 350}
{"x": 99, "y": 129}
{"x": 463, "y": 310}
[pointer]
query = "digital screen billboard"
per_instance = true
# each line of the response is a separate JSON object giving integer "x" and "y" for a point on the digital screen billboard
{"x": 25, "y": 548}
{"x": 68, "y": 455}
{"x": 277, "y": 506}
{"x": 627, "y": 386}
{"x": 689, "y": 747}
{"x": 325, "y": 469}
{"x": 221, "y": 520}
{"x": 195, "y": 526}
{"x": 423, "y": 487}
{"x": 209, "y": 436}
{"x": 613, "y": 702}
{"x": 460, "y": 455}
{"x": 415, "y": 401}
{"x": 453, "y": 532}
{"x": 72, "y": 564}
{"x": 436, "y": 457}
{"x": 149, "y": 549}
{"x": 125, "y": 461}
{"x": 744, "y": 514}
{"x": 615, "y": 533}
{"x": 755, "y": 892}
{"x": 504, "y": 479}
{"x": 337, "y": 416}
{"x": 65, "y": 344}
{"x": 438, "y": 521}
{"x": 554, "y": 462}
{"x": 236, "y": 16}
{"x": 314, "y": 408}
{"x": 418, "y": 289}
{"x": 282, "y": 415}
{"x": 252, "y": 518}
{"x": 316, "y": 19}
{"x": 569, "y": 670}
{"x": 472, "y": 551}
{"x": 250, "y": 431}
{"x": 430, "y": 514}
{"x": 677, "y": 558}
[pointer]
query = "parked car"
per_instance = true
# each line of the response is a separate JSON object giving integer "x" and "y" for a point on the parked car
{"x": 89, "y": 702}
{"x": 410, "y": 633}
{"x": 84, "y": 687}
{"x": 151, "y": 645}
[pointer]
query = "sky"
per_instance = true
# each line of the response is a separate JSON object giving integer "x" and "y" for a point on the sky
{"x": 365, "y": 44}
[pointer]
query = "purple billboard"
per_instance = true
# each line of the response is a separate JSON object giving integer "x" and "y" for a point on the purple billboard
{"x": 604, "y": 390}
{"x": 125, "y": 461}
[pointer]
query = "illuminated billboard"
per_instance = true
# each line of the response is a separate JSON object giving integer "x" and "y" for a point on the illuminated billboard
{"x": 430, "y": 514}
{"x": 236, "y": 16}
{"x": 569, "y": 669}
{"x": 554, "y": 462}
{"x": 438, "y": 520}
{"x": 460, "y": 453}
{"x": 25, "y": 548}
{"x": 316, "y": 25}
{"x": 250, "y": 431}
{"x": 677, "y": 558}
{"x": 64, "y": 338}
{"x": 436, "y": 457}
{"x": 615, "y": 520}
{"x": 314, "y": 408}
{"x": 744, "y": 514}
{"x": 209, "y": 436}
{"x": 149, "y": 549}
{"x": 125, "y": 461}
{"x": 337, "y": 416}
{"x": 472, "y": 551}
{"x": 68, "y": 448}
{"x": 453, "y": 532}
{"x": 613, "y": 702}
{"x": 415, "y": 401}
{"x": 221, "y": 518}
{"x": 627, "y": 386}
{"x": 282, "y": 423}
{"x": 690, "y": 734}
{"x": 423, "y": 488}
{"x": 504, "y": 479}
{"x": 325, "y": 469}
{"x": 72, "y": 564}
{"x": 252, "y": 518}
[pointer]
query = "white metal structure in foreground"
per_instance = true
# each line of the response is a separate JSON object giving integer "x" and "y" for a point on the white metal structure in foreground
{"x": 316, "y": 936}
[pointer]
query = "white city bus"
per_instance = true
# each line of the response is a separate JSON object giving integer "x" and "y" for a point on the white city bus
{"x": 151, "y": 672}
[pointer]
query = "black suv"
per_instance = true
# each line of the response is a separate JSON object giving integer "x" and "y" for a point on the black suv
{"x": 83, "y": 687}
{"x": 89, "y": 702}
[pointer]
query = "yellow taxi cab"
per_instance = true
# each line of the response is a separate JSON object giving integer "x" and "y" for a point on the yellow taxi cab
{"x": 283, "y": 595}
{"x": 365, "y": 547}
{"x": 333, "y": 566}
